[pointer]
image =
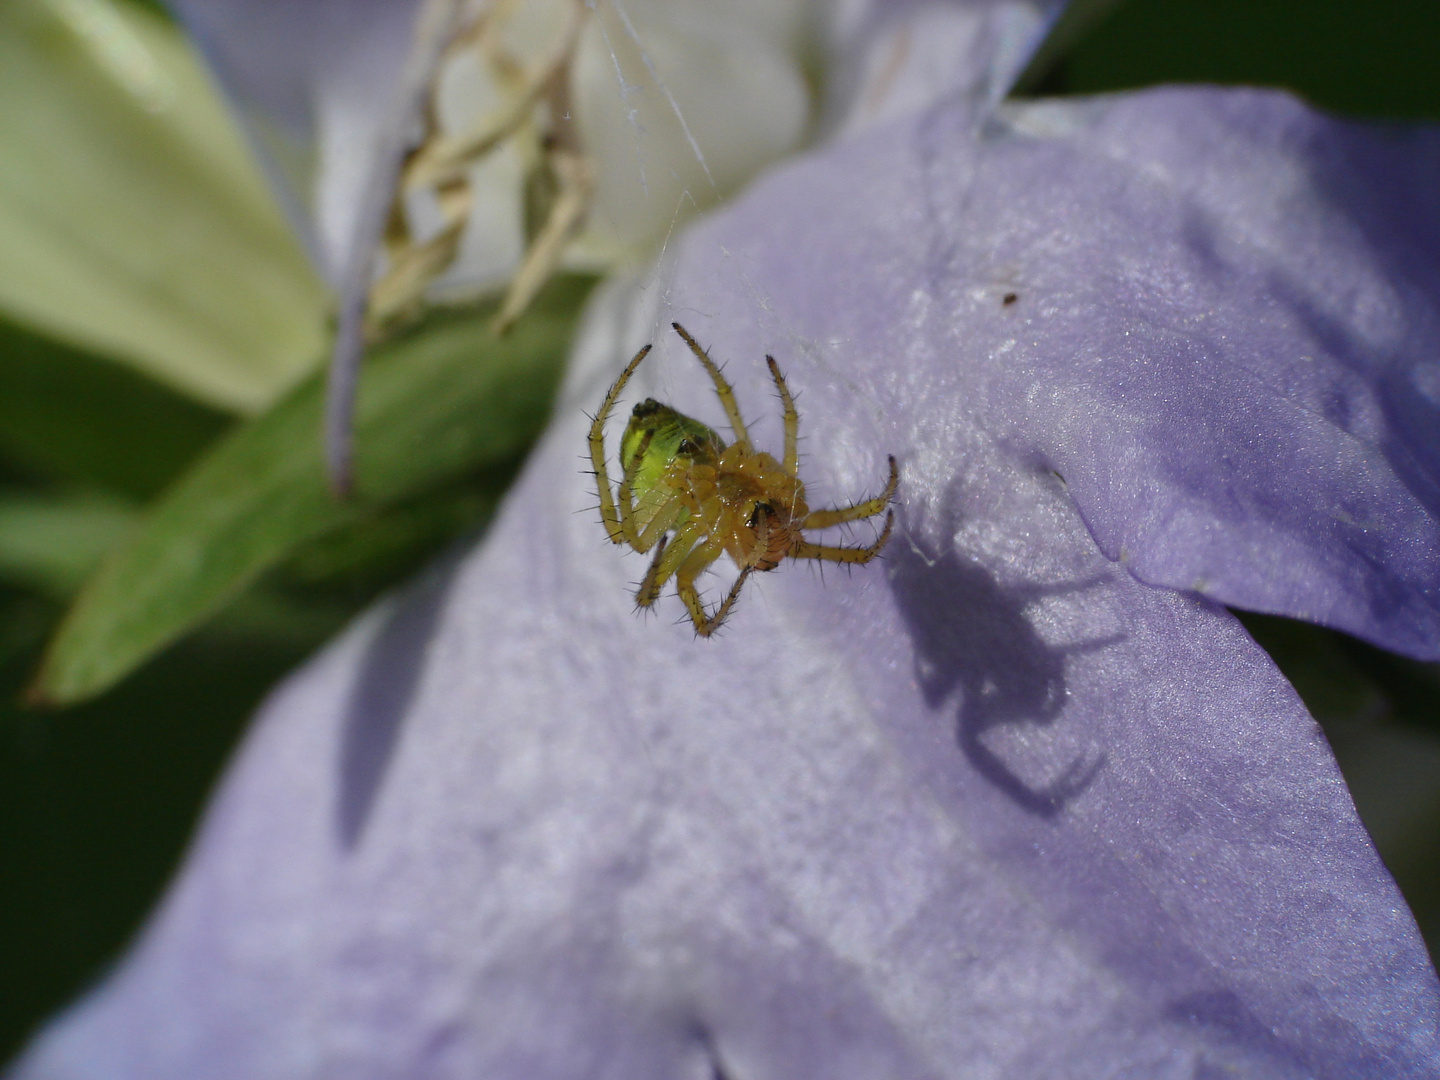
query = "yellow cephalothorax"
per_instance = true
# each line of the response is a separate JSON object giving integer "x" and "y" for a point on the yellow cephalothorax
{"x": 692, "y": 498}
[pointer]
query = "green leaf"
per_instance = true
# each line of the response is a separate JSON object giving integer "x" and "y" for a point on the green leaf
{"x": 133, "y": 222}
{"x": 69, "y": 417}
{"x": 53, "y": 543}
{"x": 365, "y": 557}
{"x": 433, "y": 407}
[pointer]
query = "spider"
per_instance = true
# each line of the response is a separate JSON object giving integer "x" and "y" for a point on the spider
{"x": 692, "y": 498}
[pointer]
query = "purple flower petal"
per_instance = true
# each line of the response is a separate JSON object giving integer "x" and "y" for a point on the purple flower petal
{"x": 1224, "y": 332}
{"x": 327, "y": 89}
{"x": 1273, "y": 353}
{"x": 998, "y": 807}
{"x": 889, "y": 57}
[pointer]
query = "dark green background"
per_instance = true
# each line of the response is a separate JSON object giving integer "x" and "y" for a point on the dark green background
{"x": 1374, "y": 59}
{"x": 96, "y": 802}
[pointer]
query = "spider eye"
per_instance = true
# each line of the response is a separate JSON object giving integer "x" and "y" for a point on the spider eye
{"x": 687, "y": 446}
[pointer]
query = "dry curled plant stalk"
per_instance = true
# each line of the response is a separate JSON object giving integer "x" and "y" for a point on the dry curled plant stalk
{"x": 538, "y": 118}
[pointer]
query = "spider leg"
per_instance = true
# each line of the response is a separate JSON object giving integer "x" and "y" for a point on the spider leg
{"x": 663, "y": 517}
{"x": 660, "y": 524}
{"x": 722, "y": 389}
{"x": 792, "y": 418}
{"x": 698, "y": 560}
{"x": 823, "y": 519}
{"x": 830, "y": 553}
{"x": 614, "y": 521}
{"x": 671, "y": 554}
{"x": 623, "y": 492}
{"x": 705, "y": 625}
{"x": 651, "y": 583}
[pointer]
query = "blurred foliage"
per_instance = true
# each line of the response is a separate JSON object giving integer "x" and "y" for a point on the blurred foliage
{"x": 97, "y": 800}
{"x": 95, "y": 805}
{"x": 102, "y": 467}
{"x": 1373, "y": 59}
{"x": 52, "y": 543}
{"x": 261, "y": 491}
{"x": 120, "y": 178}
{"x": 73, "y": 419}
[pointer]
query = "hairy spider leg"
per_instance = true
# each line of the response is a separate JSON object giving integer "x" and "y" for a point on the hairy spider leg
{"x": 696, "y": 564}
{"x": 665, "y": 565}
{"x": 705, "y": 625}
{"x": 701, "y": 558}
{"x": 792, "y": 418}
{"x": 722, "y": 389}
{"x": 650, "y": 585}
{"x": 623, "y": 492}
{"x": 823, "y": 519}
{"x": 614, "y": 527}
{"x": 830, "y": 553}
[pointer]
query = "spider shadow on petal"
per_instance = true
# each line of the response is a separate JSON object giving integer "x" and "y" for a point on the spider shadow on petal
{"x": 972, "y": 635}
